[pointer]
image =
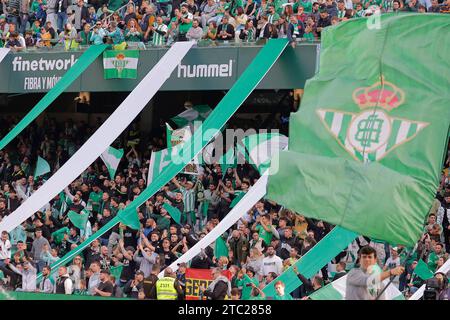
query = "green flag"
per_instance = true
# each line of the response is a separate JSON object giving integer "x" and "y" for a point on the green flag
{"x": 220, "y": 248}
{"x": 367, "y": 144}
{"x": 237, "y": 198}
{"x": 196, "y": 113}
{"x": 79, "y": 220}
{"x": 158, "y": 161}
{"x": 174, "y": 212}
{"x": 42, "y": 167}
{"x": 422, "y": 270}
{"x": 58, "y": 235}
{"x": 130, "y": 219}
{"x": 116, "y": 271}
{"x": 205, "y": 207}
{"x": 262, "y": 147}
{"x": 111, "y": 157}
{"x": 120, "y": 64}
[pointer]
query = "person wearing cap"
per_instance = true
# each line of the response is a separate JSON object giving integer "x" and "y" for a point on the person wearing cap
{"x": 225, "y": 31}
{"x": 392, "y": 262}
{"x": 168, "y": 287}
{"x": 105, "y": 287}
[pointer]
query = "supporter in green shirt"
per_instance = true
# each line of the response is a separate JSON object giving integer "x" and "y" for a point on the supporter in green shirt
{"x": 265, "y": 230}
{"x": 247, "y": 280}
{"x": 305, "y": 4}
{"x": 94, "y": 198}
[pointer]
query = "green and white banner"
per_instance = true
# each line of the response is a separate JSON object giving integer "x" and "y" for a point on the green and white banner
{"x": 262, "y": 147}
{"x": 230, "y": 103}
{"x": 111, "y": 157}
{"x": 196, "y": 113}
{"x": 69, "y": 77}
{"x": 158, "y": 161}
{"x": 102, "y": 138}
{"x": 336, "y": 291}
{"x": 120, "y": 64}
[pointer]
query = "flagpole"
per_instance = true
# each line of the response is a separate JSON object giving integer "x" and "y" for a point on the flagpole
{"x": 393, "y": 277}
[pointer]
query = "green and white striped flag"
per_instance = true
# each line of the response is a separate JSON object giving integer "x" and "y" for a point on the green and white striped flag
{"x": 120, "y": 64}
{"x": 262, "y": 147}
{"x": 158, "y": 161}
{"x": 42, "y": 167}
{"x": 336, "y": 291}
{"x": 196, "y": 113}
{"x": 339, "y": 125}
{"x": 111, "y": 157}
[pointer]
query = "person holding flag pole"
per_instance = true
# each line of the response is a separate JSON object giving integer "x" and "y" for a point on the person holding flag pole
{"x": 365, "y": 282}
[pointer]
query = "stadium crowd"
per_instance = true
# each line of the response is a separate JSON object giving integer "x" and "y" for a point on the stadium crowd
{"x": 125, "y": 262}
{"x": 71, "y": 23}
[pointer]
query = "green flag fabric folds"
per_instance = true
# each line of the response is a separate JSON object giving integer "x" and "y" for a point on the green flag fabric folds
{"x": 111, "y": 158}
{"x": 262, "y": 147}
{"x": 174, "y": 212}
{"x": 70, "y": 76}
{"x": 196, "y": 113}
{"x": 422, "y": 271}
{"x": 79, "y": 220}
{"x": 220, "y": 248}
{"x": 367, "y": 144}
{"x": 42, "y": 167}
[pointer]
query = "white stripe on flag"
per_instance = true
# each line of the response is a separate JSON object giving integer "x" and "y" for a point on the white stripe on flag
{"x": 103, "y": 137}
{"x": 132, "y": 63}
{"x": 336, "y": 124}
{"x": 403, "y": 131}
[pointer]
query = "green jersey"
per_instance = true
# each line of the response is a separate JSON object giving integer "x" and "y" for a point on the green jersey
{"x": 263, "y": 234}
{"x": 286, "y": 296}
{"x": 94, "y": 199}
{"x": 159, "y": 34}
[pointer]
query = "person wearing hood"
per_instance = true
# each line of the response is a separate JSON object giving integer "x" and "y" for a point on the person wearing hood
{"x": 219, "y": 288}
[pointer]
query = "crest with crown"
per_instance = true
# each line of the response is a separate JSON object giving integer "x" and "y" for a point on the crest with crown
{"x": 383, "y": 94}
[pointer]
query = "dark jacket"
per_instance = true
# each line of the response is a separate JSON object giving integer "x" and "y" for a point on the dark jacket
{"x": 219, "y": 293}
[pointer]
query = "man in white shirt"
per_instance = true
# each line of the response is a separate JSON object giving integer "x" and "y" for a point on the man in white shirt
{"x": 5, "y": 248}
{"x": 393, "y": 262}
{"x": 272, "y": 263}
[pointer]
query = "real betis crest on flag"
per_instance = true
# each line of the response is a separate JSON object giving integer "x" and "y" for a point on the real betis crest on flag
{"x": 369, "y": 139}
{"x": 111, "y": 157}
{"x": 370, "y": 134}
{"x": 120, "y": 64}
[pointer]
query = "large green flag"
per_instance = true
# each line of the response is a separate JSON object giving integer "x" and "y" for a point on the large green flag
{"x": 111, "y": 157}
{"x": 120, "y": 64}
{"x": 174, "y": 212}
{"x": 42, "y": 167}
{"x": 129, "y": 218}
{"x": 79, "y": 220}
{"x": 367, "y": 144}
